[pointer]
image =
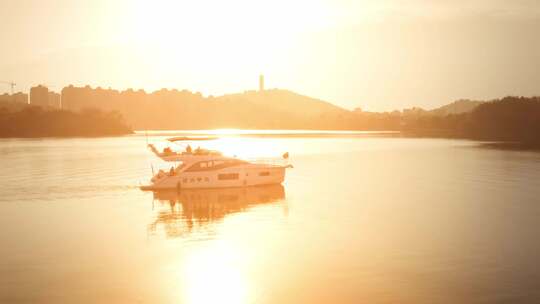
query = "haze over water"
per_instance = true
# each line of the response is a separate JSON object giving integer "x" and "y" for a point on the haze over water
{"x": 359, "y": 219}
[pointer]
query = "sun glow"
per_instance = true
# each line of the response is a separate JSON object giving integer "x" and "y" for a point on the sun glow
{"x": 221, "y": 39}
{"x": 254, "y": 148}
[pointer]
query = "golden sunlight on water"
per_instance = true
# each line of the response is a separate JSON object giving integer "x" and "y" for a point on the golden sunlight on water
{"x": 360, "y": 218}
{"x": 214, "y": 274}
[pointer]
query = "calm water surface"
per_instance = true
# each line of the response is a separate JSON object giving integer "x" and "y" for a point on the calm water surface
{"x": 360, "y": 219}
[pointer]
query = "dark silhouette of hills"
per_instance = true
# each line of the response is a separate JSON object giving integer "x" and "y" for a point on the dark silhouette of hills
{"x": 457, "y": 107}
{"x": 510, "y": 119}
{"x": 267, "y": 109}
{"x": 285, "y": 101}
{"x": 173, "y": 109}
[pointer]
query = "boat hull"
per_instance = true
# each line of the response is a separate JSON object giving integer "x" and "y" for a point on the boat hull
{"x": 226, "y": 178}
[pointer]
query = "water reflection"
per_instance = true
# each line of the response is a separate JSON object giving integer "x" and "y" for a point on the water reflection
{"x": 179, "y": 213}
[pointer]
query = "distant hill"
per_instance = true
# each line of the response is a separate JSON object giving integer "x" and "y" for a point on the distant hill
{"x": 173, "y": 109}
{"x": 280, "y": 109}
{"x": 510, "y": 119}
{"x": 98, "y": 112}
{"x": 457, "y": 107}
{"x": 285, "y": 101}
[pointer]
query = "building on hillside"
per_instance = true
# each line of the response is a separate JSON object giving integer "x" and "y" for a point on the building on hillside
{"x": 55, "y": 100}
{"x": 17, "y": 97}
{"x": 80, "y": 98}
{"x": 39, "y": 96}
{"x": 5, "y": 97}
{"x": 69, "y": 97}
{"x": 76, "y": 98}
{"x": 20, "y": 97}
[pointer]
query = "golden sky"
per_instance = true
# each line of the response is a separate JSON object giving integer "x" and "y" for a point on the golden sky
{"x": 374, "y": 54}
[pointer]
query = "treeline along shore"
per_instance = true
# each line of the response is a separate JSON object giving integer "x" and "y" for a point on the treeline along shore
{"x": 103, "y": 112}
{"x": 513, "y": 120}
{"x": 32, "y": 121}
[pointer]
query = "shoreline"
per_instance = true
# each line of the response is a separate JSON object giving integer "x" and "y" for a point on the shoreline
{"x": 303, "y": 133}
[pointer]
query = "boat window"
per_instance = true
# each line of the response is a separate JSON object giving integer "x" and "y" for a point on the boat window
{"x": 228, "y": 176}
{"x": 264, "y": 173}
{"x": 214, "y": 165}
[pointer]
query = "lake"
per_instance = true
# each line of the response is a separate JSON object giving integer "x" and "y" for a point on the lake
{"x": 361, "y": 218}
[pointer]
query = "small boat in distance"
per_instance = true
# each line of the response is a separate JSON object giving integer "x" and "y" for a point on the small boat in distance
{"x": 202, "y": 168}
{"x": 191, "y": 138}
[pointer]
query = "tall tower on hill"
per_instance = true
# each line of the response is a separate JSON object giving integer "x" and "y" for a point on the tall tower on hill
{"x": 261, "y": 83}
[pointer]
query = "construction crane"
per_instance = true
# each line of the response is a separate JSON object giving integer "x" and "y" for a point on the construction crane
{"x": 11, "y": 84}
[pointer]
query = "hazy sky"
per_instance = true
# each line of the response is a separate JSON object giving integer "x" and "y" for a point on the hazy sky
{"x": 374, "y": 54}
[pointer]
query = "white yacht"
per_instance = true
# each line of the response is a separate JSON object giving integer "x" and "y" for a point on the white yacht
{"x": 210, "y": 169}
